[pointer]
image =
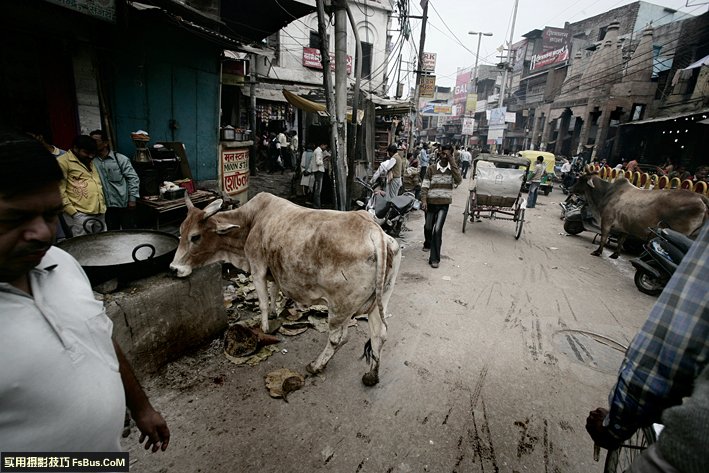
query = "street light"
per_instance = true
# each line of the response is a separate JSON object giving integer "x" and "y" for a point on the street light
{"x": 477, "y": 54}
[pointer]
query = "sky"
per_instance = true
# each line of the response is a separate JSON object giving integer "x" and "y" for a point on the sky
{"x": 449, "y": 22}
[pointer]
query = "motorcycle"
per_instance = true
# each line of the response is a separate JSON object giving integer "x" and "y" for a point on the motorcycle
{"x": 389, "y": 214}
{"x": 659, "y": 260}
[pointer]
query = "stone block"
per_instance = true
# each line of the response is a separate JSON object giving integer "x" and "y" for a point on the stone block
{"x": 160, "y": 318}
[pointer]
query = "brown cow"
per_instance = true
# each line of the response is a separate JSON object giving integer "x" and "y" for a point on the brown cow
{"x": 340, "y": 259}
{"x": 624, "y": 208}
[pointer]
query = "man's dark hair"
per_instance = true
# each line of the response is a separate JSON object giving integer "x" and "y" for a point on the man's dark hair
{"x": 392, "y": 148}
{"x": 101, "y": 133}
{"x": 540, "y": 159}
{"x": 25, "y": 165}
{"x": 86, "y": 143}
{"x": 447, "y": 146}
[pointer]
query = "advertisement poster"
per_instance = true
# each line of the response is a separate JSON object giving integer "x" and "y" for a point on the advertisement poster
{"x": 433, "y": 109}
{"x": 555, "y": 49}
{"x": 471, "y": 104}
{"x": 460, "y": 95}
{"x": 468, "y": 125}
{"x": 234, "y": 170}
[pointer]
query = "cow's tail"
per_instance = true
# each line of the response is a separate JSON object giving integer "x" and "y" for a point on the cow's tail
{"x": 384, "y": 260}
{"x": 382, "y": 253}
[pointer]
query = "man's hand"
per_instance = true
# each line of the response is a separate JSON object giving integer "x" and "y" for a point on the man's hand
{"x": 423, "y": 205}
{"x": 131, "y": 204}
{"x": 153, "y": 429}
{"x": 600, "y": 434}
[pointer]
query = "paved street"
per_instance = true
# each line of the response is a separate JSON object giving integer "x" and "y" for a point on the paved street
{"x": 492, "y": 363}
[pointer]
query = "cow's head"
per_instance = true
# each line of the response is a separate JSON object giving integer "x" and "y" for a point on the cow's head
{"x": 202, "y": 238}
{"x": 583, "y": 184}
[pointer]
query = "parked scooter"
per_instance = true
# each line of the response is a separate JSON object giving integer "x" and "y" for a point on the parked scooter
{"x": 389, "y": 214}
{"x": 659, "y": 260}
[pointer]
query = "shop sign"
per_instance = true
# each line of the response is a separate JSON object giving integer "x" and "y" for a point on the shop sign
{"x": 460, "y": 95}
{"x": 235, "y": 170}
{"x": 311, "y": 59}
{"x": 101, "y": 9}
{"x": 427, "y": 86}
{"x": 428, "y": 62}
{"x": 433, "y": 109}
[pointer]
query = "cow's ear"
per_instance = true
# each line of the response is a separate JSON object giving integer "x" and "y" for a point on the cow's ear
{"x": 224, "y": 228}
{"x": 590, "y": 183}
{"x": 212, "y": 208}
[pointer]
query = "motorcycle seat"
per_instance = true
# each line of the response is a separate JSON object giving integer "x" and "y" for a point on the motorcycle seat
{"x": 402, "y": 202}
{"x": 381, "y": 207}
{"x": 678, "y": 239}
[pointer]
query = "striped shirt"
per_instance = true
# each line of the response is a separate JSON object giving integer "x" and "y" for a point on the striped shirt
{"x": 669, "y": 352}
{"x": 437, "y": 185}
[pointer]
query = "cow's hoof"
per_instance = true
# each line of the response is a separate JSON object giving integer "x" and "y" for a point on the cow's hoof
{"x": 370, "y": 379}
{"x": 596, "y": 253}
{"x": 614, "y": 256}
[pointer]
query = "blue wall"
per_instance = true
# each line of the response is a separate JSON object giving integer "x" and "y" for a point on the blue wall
{"x": 161, "y": 73}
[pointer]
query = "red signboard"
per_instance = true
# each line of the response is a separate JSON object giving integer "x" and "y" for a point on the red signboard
{"x": 311, "y": 58}
{"x": 460, "y": 95}
{"x": 555, "y": 49}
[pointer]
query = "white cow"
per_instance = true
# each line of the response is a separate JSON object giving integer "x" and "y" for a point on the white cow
{"x": 340, "y": 259}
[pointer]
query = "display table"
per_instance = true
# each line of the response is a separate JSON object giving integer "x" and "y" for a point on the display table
{"x": 161, "y": 211}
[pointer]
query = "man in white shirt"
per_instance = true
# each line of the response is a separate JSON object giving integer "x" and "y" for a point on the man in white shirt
{"x": 319, "y": 156}
{"x": 64, "y": 383}
{"x": 392, "y": 168}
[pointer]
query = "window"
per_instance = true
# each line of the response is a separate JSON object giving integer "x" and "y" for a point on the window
{"x": 314, "y": 41}
{"x": 602, "y": 33}
{"x": 637, "y": 112}
{"x": 366, "y": 59}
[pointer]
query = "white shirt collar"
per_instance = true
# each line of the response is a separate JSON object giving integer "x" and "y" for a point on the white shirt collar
{"x": 442, "y": 169}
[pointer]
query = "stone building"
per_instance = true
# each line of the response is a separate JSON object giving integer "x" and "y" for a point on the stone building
{"x": 580, "y": 83}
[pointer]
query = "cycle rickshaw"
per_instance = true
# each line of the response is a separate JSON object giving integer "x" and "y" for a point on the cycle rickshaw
{"x": 496, "y": 190}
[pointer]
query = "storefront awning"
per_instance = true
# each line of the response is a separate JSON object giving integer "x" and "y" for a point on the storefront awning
{"x": 314, "y": 107}
{"x": 256, "y": 20}
{"x": 682, "y": 116}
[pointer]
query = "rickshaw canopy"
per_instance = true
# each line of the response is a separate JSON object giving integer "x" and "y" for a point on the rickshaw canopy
{"x": 531, "y": 155}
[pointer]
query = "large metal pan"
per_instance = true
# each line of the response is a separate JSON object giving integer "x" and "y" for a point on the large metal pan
{"x": 125, "y": 255}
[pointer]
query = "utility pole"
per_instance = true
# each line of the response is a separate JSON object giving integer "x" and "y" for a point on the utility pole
{"x": 509, "y": 54}
{"x": 252, "y": 116}
{"x": 475, "y": 70}
{"x": 417, "y": 91}
{"x": 340, "y": 161}
{"x": 327, "y": 80}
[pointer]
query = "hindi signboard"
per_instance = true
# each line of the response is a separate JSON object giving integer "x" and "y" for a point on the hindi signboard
{"x": 311, "y": 59}
{"x": 555, "y": 49}
{"x": 433, "y": 109}
{"x": 234, "y": 167}
{"x": 468, "y": 125}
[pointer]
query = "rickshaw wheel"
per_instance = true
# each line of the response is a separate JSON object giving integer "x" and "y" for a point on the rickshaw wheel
{"x": 466, "y": 214}
{"x": 519, "y": 223}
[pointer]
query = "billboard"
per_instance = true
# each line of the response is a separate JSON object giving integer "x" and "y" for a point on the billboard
{"x": 468, "y": 125}
{"x": 460, "y": 95}
{"x": 428, "y": 62}
{"x": 555, "y": 49}
{"x": 435, "y": 109}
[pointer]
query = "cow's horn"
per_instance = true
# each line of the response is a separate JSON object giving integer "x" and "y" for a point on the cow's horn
{"x": 188, "y": 202}
{"x": 590, "y": 183}
{"x": 212, "y": 208}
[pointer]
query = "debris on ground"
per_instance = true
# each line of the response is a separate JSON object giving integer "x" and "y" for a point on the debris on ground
{"x": 283, "y": 381}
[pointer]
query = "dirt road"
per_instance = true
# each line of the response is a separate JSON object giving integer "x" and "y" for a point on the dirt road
{"x": 492, "y": 363}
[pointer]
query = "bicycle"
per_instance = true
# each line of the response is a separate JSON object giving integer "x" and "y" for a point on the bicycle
{"x": 618, "y": 460}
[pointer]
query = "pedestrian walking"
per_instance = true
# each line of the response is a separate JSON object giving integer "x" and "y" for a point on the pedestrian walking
{"x": 465, "y": 157}
{"x": 319, "y": 172}
{"x": 392, "y": 168}
{"x": 436, "y": 196}
{"x": 535, "y": 182}
{"x": 423, "y": 160}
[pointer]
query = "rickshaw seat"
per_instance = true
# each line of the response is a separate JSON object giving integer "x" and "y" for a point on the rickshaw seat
{"x": 498, "y": 186}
